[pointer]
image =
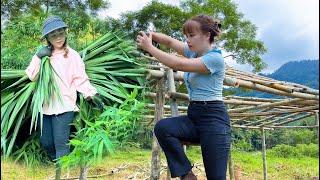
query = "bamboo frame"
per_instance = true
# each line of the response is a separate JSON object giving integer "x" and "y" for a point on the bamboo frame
{"x": 299, "y": 102}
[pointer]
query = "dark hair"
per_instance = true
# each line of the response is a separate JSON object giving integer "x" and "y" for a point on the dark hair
{"x": 207, "y": 24}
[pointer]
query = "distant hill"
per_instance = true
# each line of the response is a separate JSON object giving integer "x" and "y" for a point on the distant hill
{"x": 305, "y": 72}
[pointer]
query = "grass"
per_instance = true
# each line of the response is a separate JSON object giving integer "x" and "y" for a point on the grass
{"x": 248, "y": 165}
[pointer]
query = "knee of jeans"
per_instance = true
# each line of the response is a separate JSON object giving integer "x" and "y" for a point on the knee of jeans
{"x": 159, "y": 128}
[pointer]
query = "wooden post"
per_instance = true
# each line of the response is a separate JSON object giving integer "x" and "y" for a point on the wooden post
{"x": 155, "y": 161}
{"x": 230, "y": 161}
{"x": 265, "y": 175}
{"x": 173, "y": 104}
{"x": 316, "y": 116}
{"x": 83, "y": 173}
{"x": 58, "y": 171}
{"x": 231, "y": 165}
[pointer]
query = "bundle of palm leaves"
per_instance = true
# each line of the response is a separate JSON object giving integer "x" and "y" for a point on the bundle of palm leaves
{"x": 112, "y": 67}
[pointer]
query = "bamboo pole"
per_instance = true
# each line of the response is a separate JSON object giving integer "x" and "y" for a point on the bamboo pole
{"x": 273, "y": 112}
{"x": 250, "y": 127}
{"x": 231, "y": 164}
{"x": 230, "y": 161}
{"x": 295, "y": 119}
{"x": 235, "y": 73}
{"x": 241, "y": 83}
{"x": 259, "y": 87}
{"x": 155, "y": 160}
{"x": 261, "y": 120}
{"x": 316, "y": 117}
{"x": 83, "y": 173}
{"x": 253, "y": 99}
{"x": 265, "y": 175}
{"x": 183, "y": 108}
{"x": 173, "y": 104}
{"x": 279, "y": 119}
{"x": 293, "y": 127}
{"x": 284, "y": 102}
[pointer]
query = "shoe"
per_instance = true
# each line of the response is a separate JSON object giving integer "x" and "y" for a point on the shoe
{"x": 189, "y": 176}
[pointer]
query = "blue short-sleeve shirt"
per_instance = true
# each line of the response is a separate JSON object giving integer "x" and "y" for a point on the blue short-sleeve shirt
{"x": 206, "y": 87}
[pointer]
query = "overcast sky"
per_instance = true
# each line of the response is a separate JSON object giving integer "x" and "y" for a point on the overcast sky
{"x": 289, "y": 28}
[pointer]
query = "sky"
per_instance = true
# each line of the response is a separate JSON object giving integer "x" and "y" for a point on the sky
{"x": 288, "y": 28}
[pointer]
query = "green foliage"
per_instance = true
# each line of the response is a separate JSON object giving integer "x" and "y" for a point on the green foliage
{"x": 31, "y": 153}
{"x": 98, "y": 134}
{"x": 91, "y": 142}
{"x": 122, "y": 122}
{"x": 242, "y": 145}
{"x": 238, "y": 37}
{"x": 242, "y": 136}
{"x": 278, "y": 136}
{"x": 46, "y": 89}
{"x": 289, "y": 137}
{"x": 19, "y": 41}
{"x": 300, "y": 150}
{"x": 11, "y": 9}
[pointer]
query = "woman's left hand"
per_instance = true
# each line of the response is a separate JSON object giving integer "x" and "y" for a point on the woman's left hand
{"x": 144, "y": 41}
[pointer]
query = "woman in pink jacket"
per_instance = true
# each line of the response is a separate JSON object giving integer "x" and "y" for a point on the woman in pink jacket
{"x": 70, "y": 68}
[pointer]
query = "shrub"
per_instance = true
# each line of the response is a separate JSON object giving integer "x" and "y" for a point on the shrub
{"x": 285, "y": 151}
{"x": 242, "y": 145}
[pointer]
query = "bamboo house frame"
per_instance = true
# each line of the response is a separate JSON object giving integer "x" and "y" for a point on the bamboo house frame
{"x": 296, "y": 103}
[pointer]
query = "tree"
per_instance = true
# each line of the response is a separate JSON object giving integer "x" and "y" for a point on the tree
{"x": 23, "y": 23}
{"x": 238, "y": 38}
{"x": 14, "y": 8}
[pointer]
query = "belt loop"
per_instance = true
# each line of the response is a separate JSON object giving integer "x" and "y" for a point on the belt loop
{"x": 205, "y": 102}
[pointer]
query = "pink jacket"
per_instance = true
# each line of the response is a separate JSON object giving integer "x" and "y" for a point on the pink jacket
{"x": 74, "y": 78}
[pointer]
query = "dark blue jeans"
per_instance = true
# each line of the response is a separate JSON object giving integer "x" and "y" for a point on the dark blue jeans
{"x": 55, "y": 134}
{"x": 207, "y": 124}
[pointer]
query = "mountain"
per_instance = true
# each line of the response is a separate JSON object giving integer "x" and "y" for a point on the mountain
{"x": 305, "y": 72}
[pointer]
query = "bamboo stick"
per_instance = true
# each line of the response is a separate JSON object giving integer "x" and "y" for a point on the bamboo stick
{"x": 316, "y": 117}
{"x": 293, "y": 127}
{"x": 168, "y": 107}
{"x": 264, "y": 159}
{"x": 284, "y": 102}
{"x": 155, "y": 160}
{"x": 253, "y": 99}
{"x": 274, "y": 112}
{"x": 293, "y": 120}
{"x": 250, "y": 127}
{"x": 279, "y": 119}
{"x": 261, "y": 120}
{"x": 259, "y": 87}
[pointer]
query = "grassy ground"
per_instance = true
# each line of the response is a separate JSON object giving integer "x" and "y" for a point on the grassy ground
{"x": 135, "y": 164}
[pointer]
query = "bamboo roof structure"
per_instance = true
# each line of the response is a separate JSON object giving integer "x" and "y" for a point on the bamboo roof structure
{"x": 295, "y": 101}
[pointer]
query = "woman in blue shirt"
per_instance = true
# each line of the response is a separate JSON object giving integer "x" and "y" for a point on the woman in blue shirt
{"x": 207, "y": 121}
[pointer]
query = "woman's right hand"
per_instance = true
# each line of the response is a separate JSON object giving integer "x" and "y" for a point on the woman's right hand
{"x": 144, "y": 41}
{"x": 44, "y": 51}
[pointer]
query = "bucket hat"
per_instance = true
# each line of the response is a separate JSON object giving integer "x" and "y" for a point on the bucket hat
{"x": 52, "y": 23}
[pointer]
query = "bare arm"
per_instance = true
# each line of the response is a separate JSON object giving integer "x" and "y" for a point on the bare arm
{"x": 172, "y": 61}
{"x": 168, "y": 41}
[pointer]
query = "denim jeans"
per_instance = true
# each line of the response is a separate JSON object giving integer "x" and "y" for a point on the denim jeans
{"x": 207, "y": 124}
{"x": 55, "y": 134}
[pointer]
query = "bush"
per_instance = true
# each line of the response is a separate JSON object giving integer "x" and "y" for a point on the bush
{"x": 242, "y": 145}
{"x": 300, "y": 150}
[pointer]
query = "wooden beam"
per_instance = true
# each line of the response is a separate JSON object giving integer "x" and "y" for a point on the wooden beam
{"x": 273, "y": 112}
{"x": 279, "y": 119}
{"x": 155, "y": 160}
{"x": 284, "y": 102}
{"x": 316, "y": 117}
{"x": 264, "y": 159}
{"x": 294, "y": 119}
{"x": 292, "y": 127}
